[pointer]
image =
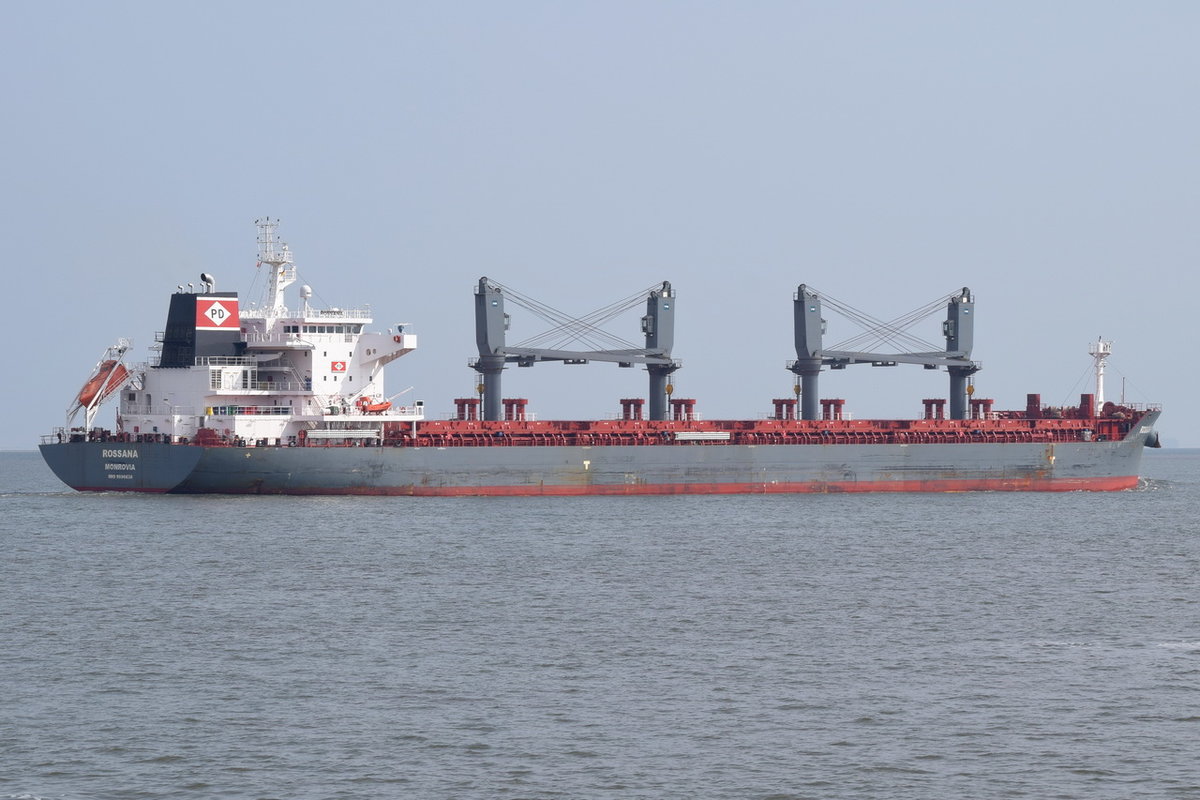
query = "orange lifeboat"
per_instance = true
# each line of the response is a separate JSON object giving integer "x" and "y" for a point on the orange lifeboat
{"x": 109, "y": 377}
{"x": 367, "y": 407}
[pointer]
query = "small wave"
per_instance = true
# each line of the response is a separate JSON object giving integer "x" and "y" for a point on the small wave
{"x": 898, "y": 769}
{"x": 1155, "y": 485}
{"x": 1188, "y": 646}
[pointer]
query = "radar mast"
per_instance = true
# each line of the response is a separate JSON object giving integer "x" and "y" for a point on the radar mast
{"x": 276, "y": 255}
{"x": 1100, "y": 351}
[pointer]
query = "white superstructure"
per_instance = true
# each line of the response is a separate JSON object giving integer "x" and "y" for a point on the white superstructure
{"x": 266, "y": 374}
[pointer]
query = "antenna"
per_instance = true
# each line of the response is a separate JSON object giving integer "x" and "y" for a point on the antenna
{"x": 1100, "y": 351}
{"x": 275, "y": 253}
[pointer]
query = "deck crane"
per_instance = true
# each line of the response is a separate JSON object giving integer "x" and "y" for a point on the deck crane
{"x": 491, "y": 323}
{"x": 958, "y": 328}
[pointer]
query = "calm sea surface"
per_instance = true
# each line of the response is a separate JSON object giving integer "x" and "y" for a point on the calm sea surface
{"x": 875, "y": 646}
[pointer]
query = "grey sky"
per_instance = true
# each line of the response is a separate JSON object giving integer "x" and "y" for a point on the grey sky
{"x": 1043, "y": 154}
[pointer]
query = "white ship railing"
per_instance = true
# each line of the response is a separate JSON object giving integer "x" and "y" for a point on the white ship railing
{"x": 248, "y": 410}
{"x": 280, "y": 386}
{"x": 341, "y": 313}
{"x": 345, "y": 433}
{"x": 410, "y": 410}
{"x": 309, "y": 408}
{"x": 225, "y": 361}
{"x": 145, "y": 410}
{"x": 265, "y": 386}
{"x": 362, "y": 314}
{"x": 288, "y": 339}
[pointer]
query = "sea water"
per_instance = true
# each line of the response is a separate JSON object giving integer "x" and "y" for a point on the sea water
{"x": 982, "y": 645}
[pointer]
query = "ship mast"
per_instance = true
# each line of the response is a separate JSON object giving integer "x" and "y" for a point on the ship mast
{"x": 1100, "y": 351}
{"x": 276, "y": 255}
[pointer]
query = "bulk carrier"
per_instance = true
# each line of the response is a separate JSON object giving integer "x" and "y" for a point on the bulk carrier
{"x": 275, "y": 400}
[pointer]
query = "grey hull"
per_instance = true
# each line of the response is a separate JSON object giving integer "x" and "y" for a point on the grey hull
{"x": 565, "y": 470}
{"x": 667, "y": 470}
{"x": 121, "y": 466}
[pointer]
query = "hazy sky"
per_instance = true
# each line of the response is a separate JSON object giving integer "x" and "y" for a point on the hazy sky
{"x": 1045, "y": 154}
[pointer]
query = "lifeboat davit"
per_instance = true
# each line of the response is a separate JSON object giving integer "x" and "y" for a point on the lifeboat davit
{"x": 109, "y": 377}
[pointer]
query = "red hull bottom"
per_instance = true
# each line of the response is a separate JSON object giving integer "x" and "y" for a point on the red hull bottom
{"x": 116, "y": 490}
{"x": 1108, "y": 484}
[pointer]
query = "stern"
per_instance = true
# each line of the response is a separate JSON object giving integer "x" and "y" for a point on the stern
{"x": 121, "y": 466}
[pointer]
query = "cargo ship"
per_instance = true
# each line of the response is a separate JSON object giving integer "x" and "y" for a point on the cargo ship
{"x": 263, "y": 398}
